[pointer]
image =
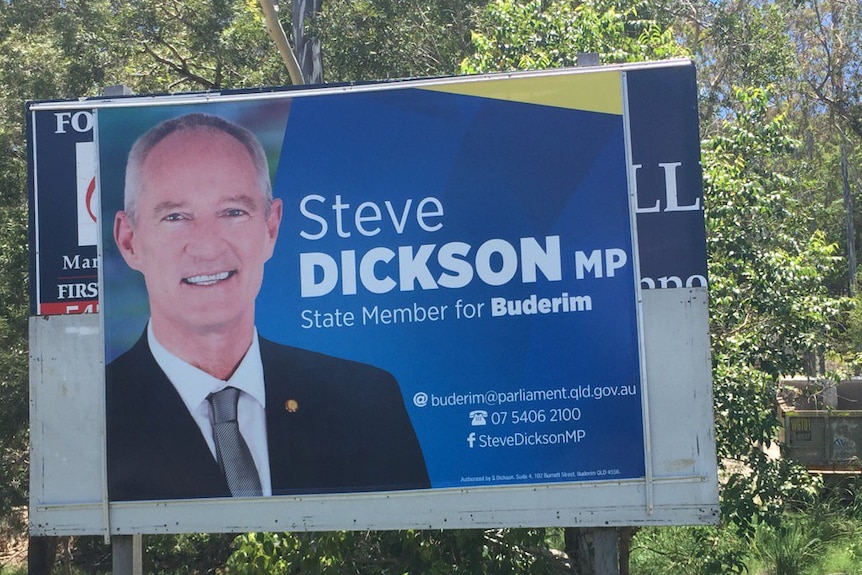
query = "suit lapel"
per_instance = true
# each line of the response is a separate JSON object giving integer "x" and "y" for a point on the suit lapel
{"x": 306, "y": 426}
{"x": 284, "y": 406}
{"x": 186, "y": 467}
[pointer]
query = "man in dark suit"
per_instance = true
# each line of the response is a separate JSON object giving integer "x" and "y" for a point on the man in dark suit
{"x": 199, "y": 223}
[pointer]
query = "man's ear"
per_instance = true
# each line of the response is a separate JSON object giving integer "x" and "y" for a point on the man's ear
{"x": 273, "y": 221}
{"x": 124, "y": 233}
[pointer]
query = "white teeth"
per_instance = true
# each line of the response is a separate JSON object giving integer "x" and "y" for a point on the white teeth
{"x": 207, "y": 280}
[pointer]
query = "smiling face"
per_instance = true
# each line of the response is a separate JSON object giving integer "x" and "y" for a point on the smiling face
{"x": 200, "y": 234}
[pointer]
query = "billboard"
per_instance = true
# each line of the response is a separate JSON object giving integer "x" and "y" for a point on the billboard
{"x": 447, "y": 304}
{"x": 64, "y": 206}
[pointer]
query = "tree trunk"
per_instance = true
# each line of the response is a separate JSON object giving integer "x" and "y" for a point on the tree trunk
{"x": 41, "y": 555}
{"x": 626, "y": 536}
{"x": 848, "y": 215}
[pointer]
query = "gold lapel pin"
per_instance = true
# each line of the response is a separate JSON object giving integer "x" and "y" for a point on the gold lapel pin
{"x": 291, "y": 405}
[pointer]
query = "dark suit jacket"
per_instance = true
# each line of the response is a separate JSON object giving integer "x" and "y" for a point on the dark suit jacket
{"x": 333, "y": 425}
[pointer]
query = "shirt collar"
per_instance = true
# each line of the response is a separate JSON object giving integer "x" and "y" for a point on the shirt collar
{"x": 194, "y": 385}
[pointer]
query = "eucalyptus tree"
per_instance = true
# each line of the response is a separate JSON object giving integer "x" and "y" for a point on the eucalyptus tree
{"x": 827, "y": 36}
{"x": 374, "y": 40}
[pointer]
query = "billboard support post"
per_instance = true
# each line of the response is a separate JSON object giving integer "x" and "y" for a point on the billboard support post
{"x": 595, "y": 550}
{"x": 127, "y": 554}
{"x": 606, "y": 556}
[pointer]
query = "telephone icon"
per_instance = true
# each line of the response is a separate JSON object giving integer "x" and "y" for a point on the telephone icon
{"x": 478, "y": 417}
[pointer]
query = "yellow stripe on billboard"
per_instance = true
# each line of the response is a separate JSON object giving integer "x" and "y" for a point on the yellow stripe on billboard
{"x": 594, "y": 92}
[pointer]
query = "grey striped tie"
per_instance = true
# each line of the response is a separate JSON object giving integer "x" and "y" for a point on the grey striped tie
{"x": 232, "y": 453}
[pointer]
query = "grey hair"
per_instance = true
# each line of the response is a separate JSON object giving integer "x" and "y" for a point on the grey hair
{"x": 188, "y": 123}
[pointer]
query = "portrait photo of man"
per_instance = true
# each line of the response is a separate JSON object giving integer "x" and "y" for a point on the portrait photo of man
{"x": 203, "y": 405}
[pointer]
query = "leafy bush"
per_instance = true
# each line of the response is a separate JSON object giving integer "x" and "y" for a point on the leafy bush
{"x": 473, "y": 552}
{"x": 687, "y": 551}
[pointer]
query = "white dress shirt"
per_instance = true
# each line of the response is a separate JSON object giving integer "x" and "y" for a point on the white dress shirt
{"x": 195, "y": 385}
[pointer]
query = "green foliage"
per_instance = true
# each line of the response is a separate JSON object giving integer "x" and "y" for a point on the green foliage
{"x": 366, "y": 40}
{"x": 800, "y": 538}
{"x": 849, "y": 341}
{"x": 687, "y": 551}
{"x": 815, "y": 536}
{"x": 829, "y": 34}
{"x": 187, "y": 554}
{"x": 769, "y": 304}
{"x": 196, "y": 44}
{"x": 540, "y": 34}
{"x": 735, "y": 43}
{"x": 820, "y": 536}
{"x": 843, "y": 556}
{"x": 787, "y": 549}
{"x": 493, "y": 552}
{"x": 13, "y": 358}
{"x": 184, "y": 554}
{"x": 13, "y": 324}
{"x": 766, "y": 266}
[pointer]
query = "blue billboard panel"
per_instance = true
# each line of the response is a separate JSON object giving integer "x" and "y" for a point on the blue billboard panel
{"x": 63, "y": 212}
{"x": 500, "y": 276}
{"x": 667, "y": 176}
{"x": 441, "y": 292}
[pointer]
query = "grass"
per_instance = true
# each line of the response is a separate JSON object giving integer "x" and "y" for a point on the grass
{"x": 812, "y": 542}
{"x": 843, "y": 557}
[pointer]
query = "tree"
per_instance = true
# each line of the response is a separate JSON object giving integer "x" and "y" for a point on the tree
{"x": 368, "y": 40}
{"x": 735, "y": 43}
{"x": 769, "y": 304}
{"x": 808, "y": 52}
{"x": 540, "y": 34}
{"x": 196, "y": 44}
{"x": 829, "y": 35}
